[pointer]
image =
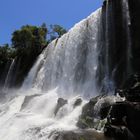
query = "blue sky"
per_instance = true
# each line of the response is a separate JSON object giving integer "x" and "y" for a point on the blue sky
{"x": 15, "y": 13}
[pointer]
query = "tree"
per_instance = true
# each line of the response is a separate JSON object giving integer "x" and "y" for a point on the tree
{"x": 6, "y": 54}
{"x": 27, "y": 44}
{"x": 28, "y": 41}
{"x": 29, "y": 36}
{"x": 44, "y": 28}
{"x": 59, "y": 30}
{"x": 56, "y": 31}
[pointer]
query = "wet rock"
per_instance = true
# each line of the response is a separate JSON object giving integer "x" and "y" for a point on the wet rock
{"x": 123, "y": 120}
{"x": 124, "y": 115}
{"x": 86, "y": 119}
{"x": 118, "y": 132}
{"x": 77, "y": 102}
{"x": 95, "y": 112}
{"x": 131, "y": 89}
{"x": 103, "y": 105}
{"x": 79, "y": 135}
{"x": 60, "y": 102}
{"x": 104, "y": 110}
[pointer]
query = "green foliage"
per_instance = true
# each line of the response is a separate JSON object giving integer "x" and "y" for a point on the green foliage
{"x": 6, "y": 55}
{"x": 27, "y": 44}
{"x": 3, "y": 55}
{"x": 56, "y": 31}
{"x": 29, "y": 36}
{"x": 59, "y": 30}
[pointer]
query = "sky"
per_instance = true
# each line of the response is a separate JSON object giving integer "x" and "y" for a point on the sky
{"x": 16, "y": 13}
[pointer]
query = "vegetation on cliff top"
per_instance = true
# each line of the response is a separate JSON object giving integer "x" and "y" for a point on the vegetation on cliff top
{"x": 27, "y": 43}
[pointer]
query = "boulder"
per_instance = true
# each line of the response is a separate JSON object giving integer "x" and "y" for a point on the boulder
{"x": 77, "y": 102}
{"x": 131, "y": 89}
{"x": 105, "y": 107}
{"x": 60, "y": 102}
{"x": 94, "y": 113}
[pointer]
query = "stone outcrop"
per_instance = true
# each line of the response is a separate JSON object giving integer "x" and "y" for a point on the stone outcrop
{"x": 60, "y": 102}
{"x": 120, "y": 43}
{"x": 123, "y": 120}
{"x": 95, "y": 112}
{"x": 77, "y": 102}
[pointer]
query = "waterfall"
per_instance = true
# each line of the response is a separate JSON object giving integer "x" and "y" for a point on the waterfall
{"x": 94, "y": 57}
{"x": 70, "y": 62}
{"x": 105, "y": 66}
{"x": 9, "y": 75}
{"x": 64, "y": 72}
{"x": 108, "y": 76}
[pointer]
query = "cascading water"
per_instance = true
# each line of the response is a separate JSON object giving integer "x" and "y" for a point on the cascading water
{"x": 9, "y": 75}
{"x": 69, "y": 63}
{"x": 66, "y": 69}
{"x": 105, "y": 67}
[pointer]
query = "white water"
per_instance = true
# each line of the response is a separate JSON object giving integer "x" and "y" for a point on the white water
{"x": 35, "y": 120}
{"x": 66, "y": 68}
{"x": 9, "y": 75}
{"x": 69, "y": 63}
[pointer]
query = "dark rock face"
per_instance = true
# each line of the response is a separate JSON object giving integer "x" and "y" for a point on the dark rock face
{"x": 60, "y": 102}
{"x": 113, "y": 48}
{"x": 120, "y": 43}
{"x": 131, "y": 89}
{"x": 123, "y": 119}
{"x": 105, "y": 107}
{"x": 134, "y": 7}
